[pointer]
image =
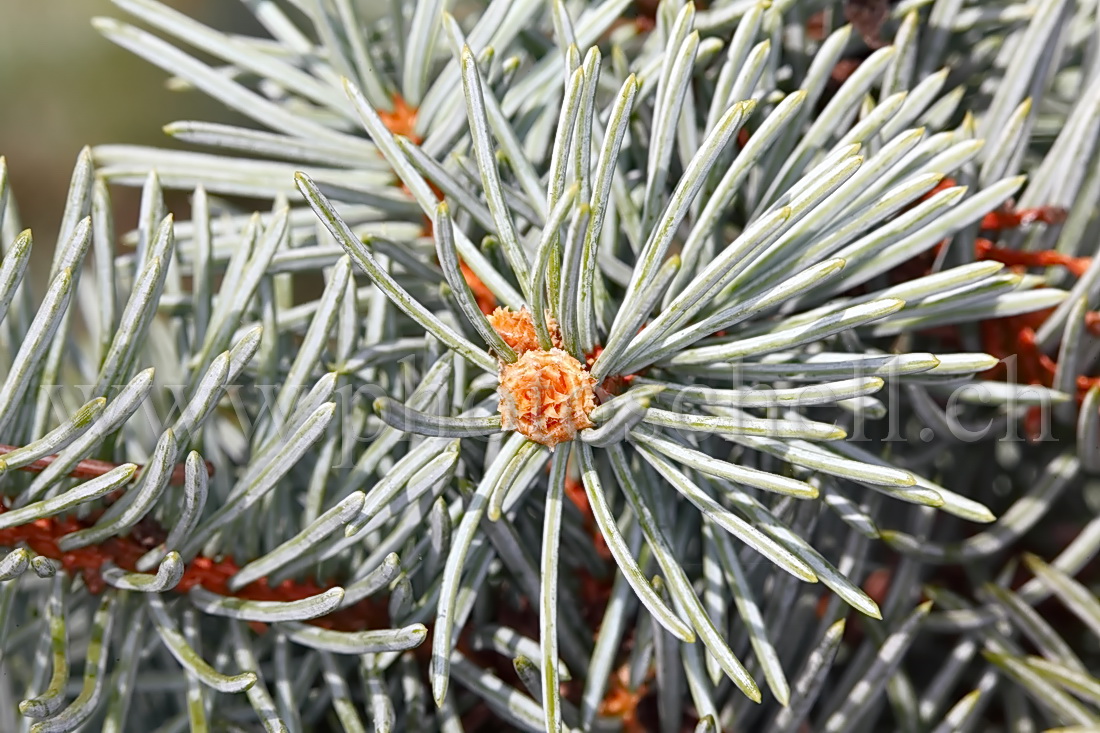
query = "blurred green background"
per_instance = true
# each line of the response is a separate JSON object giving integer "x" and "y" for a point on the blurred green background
{"x": 62, "y": 86}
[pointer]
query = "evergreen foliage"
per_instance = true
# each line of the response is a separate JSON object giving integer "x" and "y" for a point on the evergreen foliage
{"x": 554, "y": 365}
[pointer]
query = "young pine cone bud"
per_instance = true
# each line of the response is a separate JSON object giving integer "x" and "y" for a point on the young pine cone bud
{"x": 517, "y": 328}
{"x": 547, "y": 396}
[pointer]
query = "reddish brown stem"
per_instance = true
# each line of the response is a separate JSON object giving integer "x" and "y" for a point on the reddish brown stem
{"x": 91, "y": 468}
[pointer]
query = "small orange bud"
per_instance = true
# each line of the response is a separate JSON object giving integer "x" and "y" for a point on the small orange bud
{"x": 518, "y": 329}
{"x": 547, "y": 396}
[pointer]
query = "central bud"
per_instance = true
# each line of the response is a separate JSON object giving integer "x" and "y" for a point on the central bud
{"x": 545, "y": 395}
